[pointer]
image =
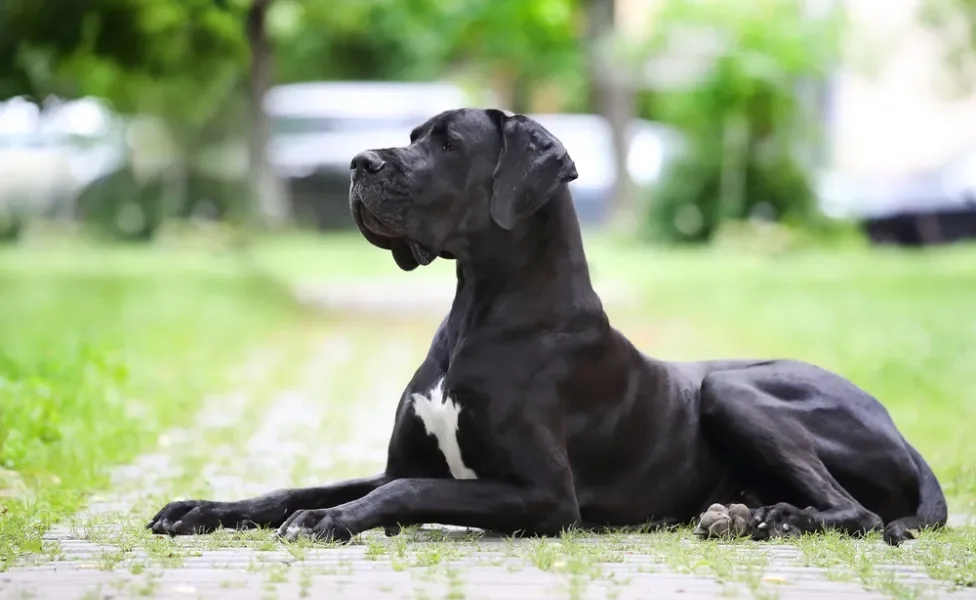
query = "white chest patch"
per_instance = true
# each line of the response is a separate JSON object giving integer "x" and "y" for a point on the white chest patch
{"x": 440, "y": 417}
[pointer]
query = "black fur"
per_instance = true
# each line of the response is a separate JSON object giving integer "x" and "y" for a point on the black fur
{"x": 563, "y": 420}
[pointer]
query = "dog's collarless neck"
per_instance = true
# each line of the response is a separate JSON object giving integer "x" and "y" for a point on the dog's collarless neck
{"x": 541, "y": 276}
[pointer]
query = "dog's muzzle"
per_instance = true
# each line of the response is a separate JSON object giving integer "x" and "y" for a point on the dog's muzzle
{"x": 369, "y": 224}
{"x": 367, "y": 165}
{"x": 407, "y": 253}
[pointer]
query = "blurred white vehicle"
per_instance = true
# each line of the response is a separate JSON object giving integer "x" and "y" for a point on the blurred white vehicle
{"x": 317, "y": 127}
{"x": 35, "y": 171}
{"x": 588, "y": 139}
{"x": 326, "y": 123}
{"x": 933, "y": 206}
{"x": 49, "y": 153}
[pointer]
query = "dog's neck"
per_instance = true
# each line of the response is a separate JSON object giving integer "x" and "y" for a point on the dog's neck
{"x": 543, "y": 268}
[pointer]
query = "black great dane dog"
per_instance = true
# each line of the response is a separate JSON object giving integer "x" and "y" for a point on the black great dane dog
{"x": 532, "y": 414}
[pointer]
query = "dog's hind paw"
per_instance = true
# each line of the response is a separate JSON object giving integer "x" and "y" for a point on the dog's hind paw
{"x": 325, "y": 525}
{"x": 724, "y": 522}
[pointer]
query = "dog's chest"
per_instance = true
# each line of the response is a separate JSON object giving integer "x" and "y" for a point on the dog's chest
{"x": 439, "y": 414}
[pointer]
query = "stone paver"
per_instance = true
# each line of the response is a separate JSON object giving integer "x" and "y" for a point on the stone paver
{"x": 336, "y": 421}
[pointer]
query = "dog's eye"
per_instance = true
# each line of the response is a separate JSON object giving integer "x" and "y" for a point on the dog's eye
{"x": 447, "y": 146}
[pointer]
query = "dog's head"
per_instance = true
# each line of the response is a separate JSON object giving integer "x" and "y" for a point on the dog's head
{"x": 468, "y": 178}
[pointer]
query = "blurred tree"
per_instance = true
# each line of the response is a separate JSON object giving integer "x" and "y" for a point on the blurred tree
{"x": 268, "y": 203}
{"x": 612, "y": 94}
{"x": 363, "y": 40}
{"x": 517, "y": 47}
{"x": 201, "y": 66}
{"x": 955, "y": 20}
{"x": 523, "y": 48}
{"x": 739, "y": 71}
{"x": 165, "y": 57}
{"x": 181, "y": 61}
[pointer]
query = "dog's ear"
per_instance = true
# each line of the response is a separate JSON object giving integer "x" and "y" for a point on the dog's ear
{"x": 531, "y": 165}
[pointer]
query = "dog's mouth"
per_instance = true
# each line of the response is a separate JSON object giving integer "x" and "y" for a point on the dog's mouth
{"x": 408, "y": 253}
{"x": 374, "y": 224}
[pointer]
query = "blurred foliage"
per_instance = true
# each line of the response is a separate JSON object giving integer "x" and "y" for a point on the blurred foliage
{"x": 186, "y": 63}
{"x": 689, "y": 205}
{"x": 121, "y": 206}
{"x": 11, "y": 225}
{"x": 744, "y": 116}
{"x": 181, "y": 58}
{"x": 180, "y": 62}
{"x": 171, "y": 58}
{"x": 361, "y": 40}
{"x": 522, "y": 43}
{"x": 955, "y": 22}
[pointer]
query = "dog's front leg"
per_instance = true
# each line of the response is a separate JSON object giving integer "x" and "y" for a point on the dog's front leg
{"x": 187, "y": 517}
{"x": 488, "y": 505}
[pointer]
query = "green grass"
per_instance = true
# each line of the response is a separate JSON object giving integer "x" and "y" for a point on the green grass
{"x": 900, "y": 324}
{"x": 97, "y": 358}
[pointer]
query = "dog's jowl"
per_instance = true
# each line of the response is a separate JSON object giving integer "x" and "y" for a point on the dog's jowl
{"x": 531, "y": 413}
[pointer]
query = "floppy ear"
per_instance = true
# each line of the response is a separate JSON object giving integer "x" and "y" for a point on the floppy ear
{"x": 531, "y": 165}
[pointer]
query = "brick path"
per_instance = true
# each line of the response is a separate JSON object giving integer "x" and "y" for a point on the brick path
{"x": 336, "y": 422}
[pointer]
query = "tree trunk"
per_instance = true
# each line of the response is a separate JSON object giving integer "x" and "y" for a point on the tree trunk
{"x": 735, "y": 161}
{"x": 268, "y": 206}
{"x": 612, "y": 96}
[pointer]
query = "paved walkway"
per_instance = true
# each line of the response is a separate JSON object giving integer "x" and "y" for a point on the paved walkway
{"x": 334, "y": 424}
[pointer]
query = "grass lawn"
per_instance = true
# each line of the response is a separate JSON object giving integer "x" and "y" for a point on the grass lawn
{"x": 101, "y": 349}
{"x": 901, "y": 324}
{"x": 97, "y": 358}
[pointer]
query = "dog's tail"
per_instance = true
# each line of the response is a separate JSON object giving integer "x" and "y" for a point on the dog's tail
{"x": 932, "y": 512}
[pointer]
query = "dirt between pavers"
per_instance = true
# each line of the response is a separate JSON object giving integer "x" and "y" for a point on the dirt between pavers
{"x": 487, "y": 570}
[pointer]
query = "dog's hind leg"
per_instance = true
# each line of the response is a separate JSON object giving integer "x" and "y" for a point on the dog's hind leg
{"x": 187, "y": 517}
{"x": 776, "y": 452}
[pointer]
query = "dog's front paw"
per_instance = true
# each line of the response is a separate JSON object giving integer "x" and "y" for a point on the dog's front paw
{"x": 323, "y": 525}
{"x": 895, "y": 534}
{"x": 781, "y": 520}
{"x": 187, "y": 517}
{"x": 721, "y": 522}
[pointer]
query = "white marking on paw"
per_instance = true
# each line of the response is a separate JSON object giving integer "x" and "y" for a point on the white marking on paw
{"x": 763, "y": 525}
{"x": 440, "y": 417}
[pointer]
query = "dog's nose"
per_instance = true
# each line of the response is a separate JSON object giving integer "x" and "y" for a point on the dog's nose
{"x": 367, "y": 161}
